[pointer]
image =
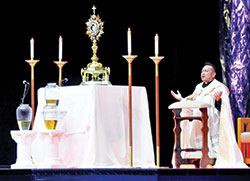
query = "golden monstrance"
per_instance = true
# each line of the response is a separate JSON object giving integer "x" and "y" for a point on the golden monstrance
{"x": 95, "y": 73}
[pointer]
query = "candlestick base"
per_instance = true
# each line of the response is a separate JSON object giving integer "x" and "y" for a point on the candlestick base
{"x": 129, "y": 58}
{"x": 156, "y": 59}
{"x": 32, "y": 62}
{"x": 60, "y": 65}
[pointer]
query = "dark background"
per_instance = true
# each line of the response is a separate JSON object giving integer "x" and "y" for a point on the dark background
{"x": 188, "y": 32}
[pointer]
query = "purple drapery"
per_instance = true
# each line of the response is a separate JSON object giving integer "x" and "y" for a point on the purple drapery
{"x": 239, "y": 63}
{"x": 235, "y": 53}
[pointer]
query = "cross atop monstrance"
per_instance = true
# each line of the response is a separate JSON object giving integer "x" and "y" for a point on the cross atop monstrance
{"x": 94, "y": 8}
{"x": 99, "y": 74}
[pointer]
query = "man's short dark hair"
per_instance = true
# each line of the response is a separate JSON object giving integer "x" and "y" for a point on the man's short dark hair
{"x": 210, "y": 64}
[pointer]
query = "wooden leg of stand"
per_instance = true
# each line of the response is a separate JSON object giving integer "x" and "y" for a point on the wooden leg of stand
{"x": 243, "y": 150}
{"x": 60, "y": 77}
{"x": 32, "y": 96}
{"x": 177, "y": 131}
{"x": 130, "y": 116}
{"x": 157, "y": 114}
{"x": 205, "y": 158}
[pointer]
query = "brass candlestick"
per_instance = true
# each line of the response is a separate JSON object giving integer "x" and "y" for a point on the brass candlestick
{"x": 130, "y": 58}
{"x": 95, "y": 73}
{"x": 32, "y": 64}
{"x": 157, "y": 60}
{"x": 60, "y": 65}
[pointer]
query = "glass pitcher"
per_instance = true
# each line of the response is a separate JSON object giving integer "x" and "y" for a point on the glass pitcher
{"x": 50, "y": 110}
{"x": 52, "y": 92}
{"x": 24, "y": 116}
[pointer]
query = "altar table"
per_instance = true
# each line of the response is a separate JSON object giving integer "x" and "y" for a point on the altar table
{"x": 95, "y": 121}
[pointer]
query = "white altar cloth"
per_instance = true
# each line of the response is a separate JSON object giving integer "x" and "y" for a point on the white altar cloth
{"x": 95, "y": 120}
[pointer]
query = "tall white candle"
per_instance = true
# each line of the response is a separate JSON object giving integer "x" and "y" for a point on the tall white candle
{"x": 156, "y": 45}
{"x": 32, "y": 48}
{"x": 129, "y": 42}
{"x": 60, "y": 48}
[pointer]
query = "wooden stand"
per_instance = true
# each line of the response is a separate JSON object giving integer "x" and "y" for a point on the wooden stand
{"x": 205, "y": 160}
{"x": 32, "y": 64}
{"x": 157, "y": 60}
{"x": 130, "y": 58}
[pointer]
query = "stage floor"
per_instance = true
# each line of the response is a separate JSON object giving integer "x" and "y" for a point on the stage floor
{"x": 132, "y": 174}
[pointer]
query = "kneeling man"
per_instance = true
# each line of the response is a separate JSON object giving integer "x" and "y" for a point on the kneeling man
{"x": 221, "y": 139}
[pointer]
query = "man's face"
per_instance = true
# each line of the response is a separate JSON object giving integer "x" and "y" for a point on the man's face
{"x": 207, "y": 73}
